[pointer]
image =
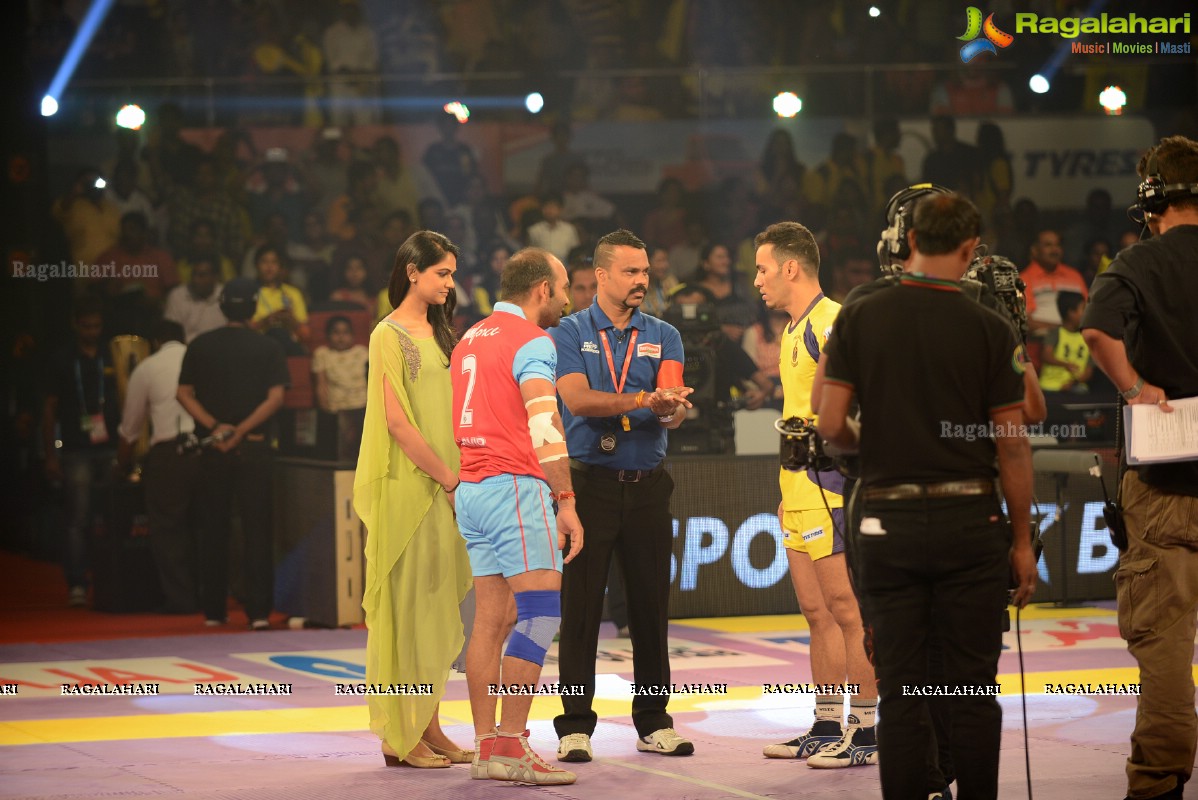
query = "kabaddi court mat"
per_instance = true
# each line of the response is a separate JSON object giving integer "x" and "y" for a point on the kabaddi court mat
{"x": 316, "y": 744}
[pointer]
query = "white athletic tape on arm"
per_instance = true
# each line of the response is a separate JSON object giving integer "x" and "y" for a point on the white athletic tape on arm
{"x": 540, "y": 428}
{"x": 545, "y": 398}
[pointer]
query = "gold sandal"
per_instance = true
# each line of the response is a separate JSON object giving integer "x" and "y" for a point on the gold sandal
{"x": 455, "y": 755}
{"x": 392, "y": 759}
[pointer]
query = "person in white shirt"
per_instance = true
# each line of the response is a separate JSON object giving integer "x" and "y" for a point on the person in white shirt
{"x": 553, "y": 233}
{"x": 169, "y": 476}
{"x": 350, "y": 52}
{"x": 196, "y": 304}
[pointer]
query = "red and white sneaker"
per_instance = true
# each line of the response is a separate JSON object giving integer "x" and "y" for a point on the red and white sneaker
{"x": 511, "y": 759}
{"x": 482, "y": 754}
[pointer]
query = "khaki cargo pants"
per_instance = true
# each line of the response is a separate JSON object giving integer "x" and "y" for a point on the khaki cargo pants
{"x": 1157, "y": 587}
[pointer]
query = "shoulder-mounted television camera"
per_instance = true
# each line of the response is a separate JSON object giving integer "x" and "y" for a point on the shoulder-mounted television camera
{"x": 995, "y": 283}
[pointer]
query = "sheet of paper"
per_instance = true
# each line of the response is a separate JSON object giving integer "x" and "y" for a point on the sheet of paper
{"x": 1155, "y": 436}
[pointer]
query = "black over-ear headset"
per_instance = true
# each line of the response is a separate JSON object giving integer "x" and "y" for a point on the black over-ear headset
{"x": 1153, "y": 195}
{"x": 893, "y": 246}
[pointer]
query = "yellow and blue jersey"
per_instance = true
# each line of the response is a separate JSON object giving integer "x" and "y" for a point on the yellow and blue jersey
{"x": 802, "y": 343}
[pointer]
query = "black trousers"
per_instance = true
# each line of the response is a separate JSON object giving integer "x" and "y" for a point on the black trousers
{"x": 170, "y": 481}
{"x": 940, "y": 769}
{"x": 632, "y": 521}
{"x": 941, "y": 568}
{"x": 245, "y": 473}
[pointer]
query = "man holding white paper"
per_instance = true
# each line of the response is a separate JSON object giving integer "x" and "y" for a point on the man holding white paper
{"x": 1142, "y": 331}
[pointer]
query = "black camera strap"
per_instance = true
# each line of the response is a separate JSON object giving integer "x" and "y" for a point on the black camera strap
{"x": 1113, "y": 512}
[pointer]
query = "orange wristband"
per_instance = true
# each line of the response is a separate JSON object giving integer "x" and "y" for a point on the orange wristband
{"x": 640, "y": 399}
{"x": 557, "y": 498}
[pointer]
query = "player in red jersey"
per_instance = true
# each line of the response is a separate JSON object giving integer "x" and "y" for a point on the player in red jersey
{"x": 514, "y": 470}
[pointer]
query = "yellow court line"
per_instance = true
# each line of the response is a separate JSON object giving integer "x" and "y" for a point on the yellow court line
{"x": 339, "y": 719}
{"x": 786, "y": 623}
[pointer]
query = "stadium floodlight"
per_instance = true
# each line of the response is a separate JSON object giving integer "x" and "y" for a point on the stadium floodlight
{"x": 1113, "y": 99}
{"x": 458, "y": 110}
{"x": 131, "y": 116}
{"x": 534, "y": 102}
{"x": 875, "y": 12}
{"x": 1038, "y": 84}
{"x": 787, "y": 104}
{"x": 49, "y": 106}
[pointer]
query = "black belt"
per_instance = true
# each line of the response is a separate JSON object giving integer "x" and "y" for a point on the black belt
{"x": 918, "y": 491}
{"x": 621, "y": 475}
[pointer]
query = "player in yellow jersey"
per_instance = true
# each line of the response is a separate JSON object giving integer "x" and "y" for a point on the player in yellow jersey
{"x": 812, "y": 516}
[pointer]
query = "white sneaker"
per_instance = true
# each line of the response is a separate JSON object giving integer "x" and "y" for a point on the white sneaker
{"x": 575, "y": 747}
{"x": 665, "y": 741}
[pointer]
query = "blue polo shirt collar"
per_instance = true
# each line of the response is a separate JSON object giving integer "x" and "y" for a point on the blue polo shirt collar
{"x": 603, "y": 322}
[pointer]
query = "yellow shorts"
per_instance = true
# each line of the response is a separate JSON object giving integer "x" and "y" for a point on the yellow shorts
{"x": 814, "y": 532}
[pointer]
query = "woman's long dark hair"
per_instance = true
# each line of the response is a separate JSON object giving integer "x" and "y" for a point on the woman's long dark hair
{"x": 422, "y": 250}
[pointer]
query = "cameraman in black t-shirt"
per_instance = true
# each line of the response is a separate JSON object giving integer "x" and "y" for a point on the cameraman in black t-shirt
{"x": 1142, "y": 330}
{"x": 894, "y": 258}
{"x": 933, "y": 546}
{"x": 232, "y": 383}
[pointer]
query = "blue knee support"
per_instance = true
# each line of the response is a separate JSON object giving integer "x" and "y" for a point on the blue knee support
{"x": 538, "y": 615}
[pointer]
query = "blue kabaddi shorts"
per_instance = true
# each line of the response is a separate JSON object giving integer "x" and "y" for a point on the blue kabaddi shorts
{"x": 509, "y": 526}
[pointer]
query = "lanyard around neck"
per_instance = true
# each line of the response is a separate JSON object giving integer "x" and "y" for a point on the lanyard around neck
{"x": 611, "y": 362}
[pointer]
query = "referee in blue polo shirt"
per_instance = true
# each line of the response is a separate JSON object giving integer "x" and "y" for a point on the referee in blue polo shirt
{"x": 619, "y": 375}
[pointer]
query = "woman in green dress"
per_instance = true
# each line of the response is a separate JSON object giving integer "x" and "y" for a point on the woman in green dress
{"x": 417, "y": 571}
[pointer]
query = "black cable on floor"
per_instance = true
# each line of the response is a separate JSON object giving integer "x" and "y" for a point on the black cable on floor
{"x": 1027, "y": 753}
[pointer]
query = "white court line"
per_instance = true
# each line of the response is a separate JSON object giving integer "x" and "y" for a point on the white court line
{"x": 696, "y": 781}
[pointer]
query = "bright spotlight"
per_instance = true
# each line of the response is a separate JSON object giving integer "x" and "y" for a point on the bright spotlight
{"x": 49, "y": 106}
{"x": 131, "y": 117}
{"x": 875, "y": 12}
{"x": 100, "y": 183}
{"x": 787, "y": 104}
{"x": 1038, "y": 84}
{"x": 459, "y": 111}
{"x": 534, "y": 103}
{"x": 1113, "y": 99}
{"x": 84, "y": 34}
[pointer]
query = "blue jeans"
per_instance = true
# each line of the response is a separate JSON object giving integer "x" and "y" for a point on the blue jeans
{"x": 82, "y": 470}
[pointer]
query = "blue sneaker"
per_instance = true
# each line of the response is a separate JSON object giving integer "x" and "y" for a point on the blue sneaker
{"x": 823, "y": 732}
{"x": 858, "y": 747}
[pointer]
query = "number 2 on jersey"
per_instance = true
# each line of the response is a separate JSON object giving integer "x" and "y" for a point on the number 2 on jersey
{"x": 470, "y": 368}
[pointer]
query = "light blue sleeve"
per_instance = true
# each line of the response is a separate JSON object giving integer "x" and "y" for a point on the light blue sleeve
{"x": 537, "y": 359}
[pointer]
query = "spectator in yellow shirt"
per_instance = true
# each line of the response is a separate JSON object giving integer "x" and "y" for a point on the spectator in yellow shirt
{"x": 281, "y": 309}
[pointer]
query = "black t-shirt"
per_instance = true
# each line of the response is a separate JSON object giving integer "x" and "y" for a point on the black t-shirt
{"x": 928, "y": 366}
{"x": 84, "y": 385}
{"x": 866, "y": 289}
{"x": 232, "y": 370}
{"x": 1149, "y": 299}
